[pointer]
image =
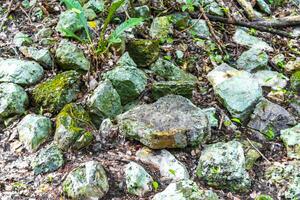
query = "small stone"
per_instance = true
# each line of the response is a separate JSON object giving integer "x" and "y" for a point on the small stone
{"x": 292, "y": 65}
{"x": 48, "y": 160}
{"x": 88, "y": 181}
{"x": 171, "y": 122}
{"x": 90, "y": 14}
{"x": 73, "y": 127}
{"x": 180, "y": 20}
{"x": 212, "y": 7}
{"x": 143, "y": 52}
{"x": 126, "y": 60}
{"x": 22, "y": 39}
{"x": 42, "y": 56}
{"x": 43, "y": 33}
{"x": 291, "y": 140}
{"x": 295, "y": 82}
{"x": 70, "y": 57}
{"x": 211, "y": 116}
{"x": 222, "y": 165}
{"x": 54, "y": 93}
{"x": 253, "y": 59}
{"x": 161, "y": 28}
{"x": 34, "y": 130}
{"x": 13, "y": 100}
{"x": 169, "y": 167}
{"x": 271, "y": 79}
{"x": 21, "y": 72}
{"x": 68, "y": 21}
{"x": 199, "y": 28}
{"x": 138, "y": 181}
{"x": 141, "y": 11}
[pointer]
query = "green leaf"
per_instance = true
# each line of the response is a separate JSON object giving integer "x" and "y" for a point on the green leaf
{"x": 237, "y": 120}
{"x": 70, "y": 34}
{"x": 172, "y": 171}
{"x": 155, "y": 185}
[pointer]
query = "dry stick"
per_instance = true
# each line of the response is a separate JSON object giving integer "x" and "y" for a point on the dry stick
{"x": 280, "y": 22}
{"x": 258, "y": 151}
{"x": 247, "y": 8}
{"x": 250, "y": 25}
{"x": 6, "y": 15}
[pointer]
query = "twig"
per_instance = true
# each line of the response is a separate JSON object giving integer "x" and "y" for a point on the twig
{"x": 4, "y": 19}
{"x": 280, "y": 22}
{"x": 258, "y": 151}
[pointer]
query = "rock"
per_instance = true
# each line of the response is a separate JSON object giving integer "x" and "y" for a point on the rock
{"x": 271, "y": 79}
{"x": 292, "y": 65}
{"x": 263, "y": 197}
{"x": 89, "y": 14}
{"x": 264, "y": 7}
{"x": 199, "y": 28}
{"x": 70, "y": 57}
{"x": 171, "y": 122}
{"x": 239, "y": 95}
{"x": 253, "y": 59}
{"x": 138, "y": 181}
{"x": 295, "y": 82}
{"x": 222, "y": 165}
{"x": 268, "y": 116}
{"x": 97, "y": 6}
{"x": 105, "y": 102}
{"x": 20, "y": 71}
{"x": 22, "y": 39}
{"x": 251, "y": 154}
{"x": 161, "y": 28}
{"x": 143, "y": 52}
{"x": 279, "y": 60}
{"x": 163, "y": 88}
{"x": 43, "y": 33}
{"x": 291, "y": 140}
{"x": 126, "y": 60}
{"x": 296, "y": 30}
{"x": 13, "y": 100}
{"x": 180, "y": 20}
{"x": 243, "y": 38}
{"x": 34, "y": 130}
{"x": 88, "y": 181}
{"x": 48, "y": 160}
{"x": 142, "y": 11}
{"x": 169, "y": 167}
{"x": 73, "y": 127}
{"x": 212, "y": 7}
{"x": 54, "y": 93}
{"x": 185, "y": 190}
{"x": 211, "y": 116}
{"x": 129, "y": 82}
{"x": 42, "y": 56}
{"x": 68, "y": 22}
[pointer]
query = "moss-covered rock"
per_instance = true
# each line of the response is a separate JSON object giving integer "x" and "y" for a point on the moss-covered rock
{"x": 251, "y": 154}
{"x": 141, "y": 11}
{"x": 199, "y": 28}
{"x": 295, "y": 82}
{"x": 161, "y": 28}
{"x": 88, "y": 181}
{"x": 163, "y": 88}
{"x": 73, "y": 127}
{"x": 54, "y": 93}
{"x": 143, "y": 52}
{"x": 97, "y": 6}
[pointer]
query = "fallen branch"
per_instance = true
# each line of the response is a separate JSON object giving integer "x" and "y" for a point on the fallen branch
{"x": 280, "y": 22}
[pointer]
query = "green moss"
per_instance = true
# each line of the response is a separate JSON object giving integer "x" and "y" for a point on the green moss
{"x": 295, "y": 81}
{"x": 53, "y": 94}
{"x": 183, "y": 88}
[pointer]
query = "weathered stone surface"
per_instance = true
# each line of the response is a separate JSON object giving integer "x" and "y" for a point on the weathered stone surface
{"x": 69, "y": 21}
{"x": 22, "y": 39}
{"x": 129, "y": 82}
{"x": 161, "y": 27}
{"x": 126, "y": 60}
{"x": 268, "y": 116}
{"x": 222, "y": 165}
{"x": 180, "y": 20}
{"x": 21, "y": 72}
{"x": 171, "y": 122}
{"x": 143, "y": 52}
{"x": 69, "y": 56}
{"x": 212, "y": 7}
{"x": 169, "y": 167}
{"x": 48, "y": 159}
{"x": 34, "y": 130}
{"x": 88, "y": 181}
{"x": 253, "y": 59}
{"x": 185, "y": 190}
{"x": 73, "y": 127}
{"x": 138, "y": 181}
{"x": 54, "y": 93}
{"x": 13, "y": 100}
{"x": 163, "y": 88}
{"x": 199, "y": 28}
{"x": 211, "y": 116}
{"x": 42, "y": 56}
{"x": 271, "y": 79}
{"x": 291, "y": 140}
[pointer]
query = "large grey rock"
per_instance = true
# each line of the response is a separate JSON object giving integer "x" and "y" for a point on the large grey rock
{"x": 69, "y": 56}
{"x": 222, "y": 165}
{"x": 291, "y": 140}
{"x": 253, "y": 59}
{"x": 34, "y": 130}
{"x": 171, "y": 122}
{"x": 42, "y": 56}
{"x": 268, "y": 116}
{"x": 185, "y": 190}
{"x": 88, "y": 181}
{"x": 21, "y": 72}
{"x": 270, "y": 79}
{"x": 68, "y": 22}
{"x": 169, "y": 167}
{"x": 13, "y": 100}
{"x": 138, "y": 181}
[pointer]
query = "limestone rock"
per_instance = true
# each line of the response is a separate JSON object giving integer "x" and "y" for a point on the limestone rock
{"x": 291, "y": 140}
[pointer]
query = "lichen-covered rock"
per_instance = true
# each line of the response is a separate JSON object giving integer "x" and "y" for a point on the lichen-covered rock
{"x": 291, "y": 140}
{"x": 48, "y": 159}
{"x": 73, "y": 127}
{"x": 126, "y": 60}
{"x": 69, "y": 21}
{"x": 212, "y": 7}
{"x": 295, "y": 81}
{"x": 169, "y": 167}
{"x": 271, "y": 79}
{"x": 199, "y": 28}
{"x": 161, "y": 27}
{"x": 42, "y": 56}
{"x": 54, "y": 93}
{"x": 129, "y": 82}
{"x": 88, "y": 181}
{"x": 34, "y": 130}
{"x": 138, "y": 181}
{"x": 171, "y": 122}
{"x": 143, "y": 52}
{"x": 21, "y": 72}
{"x": 13, "y": 100}
{"x": 185, "y": 190}
{"x": 222, "y": 165}
{"x": 22, "y": 39}
{"x": 211, "y": 116}
{"x": 268, "y": 116}
{"x": 253, "y": 59}
{"x": 69, "y": 56}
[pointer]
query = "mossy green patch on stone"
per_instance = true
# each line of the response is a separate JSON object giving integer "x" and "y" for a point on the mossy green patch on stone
{"x": 162, "y": 88}
{"x": 295, "y": 82}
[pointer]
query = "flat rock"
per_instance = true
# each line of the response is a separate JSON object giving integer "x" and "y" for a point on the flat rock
{"x": 21, "y": 72}
{"x": 291, "y": 140}
{"x": 171, "y": 122}
{"x": 253, "y": 59}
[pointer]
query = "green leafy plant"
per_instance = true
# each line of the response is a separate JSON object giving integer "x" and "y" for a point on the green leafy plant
{"x": 155, "y": 185}
{"x": 263, "y": 197}
{"x": 270, "y": 134}
{"x": 236, "y": 120}
{"x": 189, "y": 5}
